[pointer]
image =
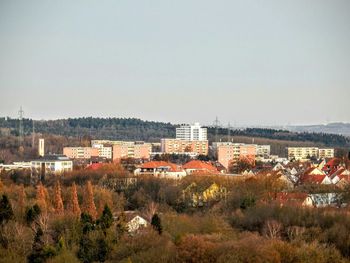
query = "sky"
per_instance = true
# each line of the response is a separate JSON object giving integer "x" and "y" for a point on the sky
{"x": 261, "y": 62}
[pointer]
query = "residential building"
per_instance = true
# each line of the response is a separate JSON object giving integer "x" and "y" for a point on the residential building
{"x": 15, "y": 166}
{"x": 184, "y": 146}
{"x": 80, "y": 152}
{"x": 191, "y": 132}
{"x": 305, "y": 153}
{"x": 52, "y": 164}
{"x": 263, "y": 151}
{"x": 125, "y": 149}
{"x": 314, "y": 175}
{"x": 326, "y": 153}
{"x": 134, "y": 222}
{"x": 161, "y": 169}
{"x": 200, "y": 167}
{"x": 297, "y": 199}
{"x": 230, "y": 153}
{"x": 136, "y": 150}
{"x": 103, "y": 150}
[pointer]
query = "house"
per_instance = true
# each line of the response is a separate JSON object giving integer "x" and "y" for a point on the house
{"x": 326, "y": 199}
{"x": 278, "y": 167}
{"x": 299, "y": 199}
{"x": 332, "y": 165}
{"x": 135, "y": 223}
{"x": 199, "y": 167}
{"x": 161, "y": 169}
{"x": 340, "y": 174}
{"x": 314, "y": 175}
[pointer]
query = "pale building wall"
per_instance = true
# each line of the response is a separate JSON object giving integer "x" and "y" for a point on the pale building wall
{"x": 182, "y": 146}
{"x": 80, "y": 152}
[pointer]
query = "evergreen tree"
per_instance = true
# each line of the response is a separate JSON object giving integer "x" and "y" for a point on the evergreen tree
{"x": 87, "y": 223}
{"x": 6, "y": 212}
{"x": 73, "y": 204}
{"x": 106, "y": 219}
{"x": 32, "y": 214}
{"x": 58, "y": 203}
{"x": 37, "y": 254}
{"x": 156, "y": 223}
{"x": 89, "y": 204}
{"x": 121, "y": 226}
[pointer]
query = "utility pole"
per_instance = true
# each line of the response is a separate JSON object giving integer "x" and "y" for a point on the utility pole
{"x": 33, "y": 135}
{"x": 20, "y": 130}
{"x": 228, "y": 132}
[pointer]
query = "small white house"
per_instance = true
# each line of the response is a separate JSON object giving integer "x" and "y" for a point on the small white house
{"x": 136, "y": 223}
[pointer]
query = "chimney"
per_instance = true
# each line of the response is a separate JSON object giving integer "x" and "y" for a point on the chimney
{"x": 41, "y": 148}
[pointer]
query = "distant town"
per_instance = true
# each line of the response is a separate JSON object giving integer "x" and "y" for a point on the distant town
{"x": 191, "y": 153}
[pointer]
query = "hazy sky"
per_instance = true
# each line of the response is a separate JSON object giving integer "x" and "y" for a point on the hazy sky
{"x": 248, "y": 62}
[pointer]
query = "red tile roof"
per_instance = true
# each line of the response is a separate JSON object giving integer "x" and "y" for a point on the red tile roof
{"x": 297, "y": 198}
{"x": 158, "y": 164}
{"x": 331, "y": 165}
{"x": 200, "y": 165}
{"x": 95, "y": 166}
{"x": 312, "y": 178}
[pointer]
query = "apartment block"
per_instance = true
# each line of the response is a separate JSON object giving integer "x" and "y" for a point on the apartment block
{"x": 137, "y": 150}
{"x": 230, "y": 153}
{"x": 326, "y": 153}
{"x": 192, "y": 132}
{"x": 176, "y": 146}
{"x": 103, "y": 150}
{"x": 305, "y": 153}
{"x": 263, "y": 151}
{"x": 80, "y": 152}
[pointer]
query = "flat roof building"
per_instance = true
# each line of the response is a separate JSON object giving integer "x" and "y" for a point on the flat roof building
{"x": 192, "y": 132}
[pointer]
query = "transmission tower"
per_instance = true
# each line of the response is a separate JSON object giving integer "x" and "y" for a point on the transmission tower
{"x": 229, "y": 132}
{"x": 216, "y": 125}
{"x": 33, "y": 135}
{"x": 20, "y": 115}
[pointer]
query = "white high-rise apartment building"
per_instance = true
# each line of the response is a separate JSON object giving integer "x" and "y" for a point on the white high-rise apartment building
{"x": 191, "y": 132}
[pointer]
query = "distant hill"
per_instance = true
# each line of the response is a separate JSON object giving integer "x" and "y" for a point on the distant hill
{"x": 136, "y": 129}
{"x": 334, "y": 128}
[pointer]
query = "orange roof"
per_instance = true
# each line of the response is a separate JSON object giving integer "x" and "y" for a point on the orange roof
{"x": 95, "y": 166}
{"x": 157, "y": 164}
{"x": 200, "y": 165}
{"x": 284, "y": 198}
{"x": 312, "y": 178}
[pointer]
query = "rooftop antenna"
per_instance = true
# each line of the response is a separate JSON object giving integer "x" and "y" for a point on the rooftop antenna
{"x": 20, "y": 115}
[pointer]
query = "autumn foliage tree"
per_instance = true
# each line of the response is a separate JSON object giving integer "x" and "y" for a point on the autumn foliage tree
{"x": 73, "y": 204}
{"x": 89, "y": 204}
{"x": 58, "y": 203}
{"x": 41, "y": 197}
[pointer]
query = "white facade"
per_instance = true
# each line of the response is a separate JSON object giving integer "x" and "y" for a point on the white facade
{"x": 52, "y": 164}
{"x": 191, "y": 132}
{"x": 103, "y": 151}
{"x": 41, "y": 148}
